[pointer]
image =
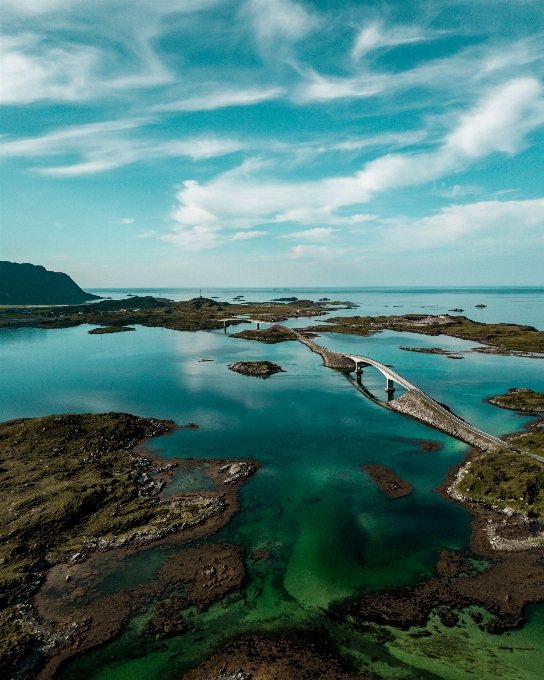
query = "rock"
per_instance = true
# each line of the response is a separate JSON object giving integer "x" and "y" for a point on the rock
{"x": 261, "y": 369}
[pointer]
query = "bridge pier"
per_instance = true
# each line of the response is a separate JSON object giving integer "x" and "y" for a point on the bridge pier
{"x": 389, "y": 386}
{"x": 258, "y": 325}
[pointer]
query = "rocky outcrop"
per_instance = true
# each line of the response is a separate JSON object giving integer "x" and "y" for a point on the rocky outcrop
{"x": 262, "y": 369}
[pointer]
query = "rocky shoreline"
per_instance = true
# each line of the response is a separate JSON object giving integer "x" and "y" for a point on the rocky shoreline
{"x": 68, "y": 620}
{"x": 512, "y": 578}
{"x": 410, "y": 404}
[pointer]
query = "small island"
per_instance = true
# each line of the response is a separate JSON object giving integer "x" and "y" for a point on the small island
{"x": 270, "y": 336}
{"x": 506, "y": 480}
{"x": 390, "y": 483}
{"x": 433, "y": 350}
{"x": 261, "y": 369}
{"x": 101, "y": 330}
{"x": 519, "y": 399}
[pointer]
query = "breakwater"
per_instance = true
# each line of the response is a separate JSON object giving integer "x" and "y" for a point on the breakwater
{"x": 412, "y": 405}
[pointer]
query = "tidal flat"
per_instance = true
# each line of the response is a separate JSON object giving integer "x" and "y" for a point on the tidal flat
{"x": 328, "y": 533}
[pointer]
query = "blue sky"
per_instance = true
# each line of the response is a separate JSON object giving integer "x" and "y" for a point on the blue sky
{"x": 274, "y": 142}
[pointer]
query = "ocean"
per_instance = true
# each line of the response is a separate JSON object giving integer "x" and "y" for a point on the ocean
{"x": 331, "y": 533}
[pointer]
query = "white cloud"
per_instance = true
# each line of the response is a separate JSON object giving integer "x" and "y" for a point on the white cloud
{"x": 464, "y": 73}
{"x": 278, "y": 21}
{"x": 126, "y": 220}
{"x": 317, "y": 234}
{"x": 223, "y": 98}
{"x": 195, "y": 238}
{"x": 501, "y": 121}
{"x": 245, "y": 197}
{"x": 373, "y": 36}
{"x": 245, "y": 235}
{"x": 317, "y": 252}
{"x": 495, "y": 225}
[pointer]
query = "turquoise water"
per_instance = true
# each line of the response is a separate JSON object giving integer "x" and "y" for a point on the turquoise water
{"x": 330, "y": 532}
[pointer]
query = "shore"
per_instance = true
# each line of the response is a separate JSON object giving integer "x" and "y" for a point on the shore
{"x": 513, "y": 579}
{"x": 65, "y": 616}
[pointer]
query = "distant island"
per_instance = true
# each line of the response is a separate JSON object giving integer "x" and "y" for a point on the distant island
{"x": 30, "y": 284}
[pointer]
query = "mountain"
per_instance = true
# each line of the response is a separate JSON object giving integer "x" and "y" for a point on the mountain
{"x": 29, "y": 284}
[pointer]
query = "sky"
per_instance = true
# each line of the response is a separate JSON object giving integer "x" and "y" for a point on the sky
{"x": 274, "y": 142}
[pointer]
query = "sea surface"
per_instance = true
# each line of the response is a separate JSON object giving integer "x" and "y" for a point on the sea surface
{"x": 331, "y": 533}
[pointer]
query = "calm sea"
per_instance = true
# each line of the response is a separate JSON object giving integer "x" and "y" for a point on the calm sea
{"x": 331, "y": 533}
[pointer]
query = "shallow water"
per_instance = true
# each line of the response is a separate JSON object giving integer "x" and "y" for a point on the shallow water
{"x": 330, "y": 531}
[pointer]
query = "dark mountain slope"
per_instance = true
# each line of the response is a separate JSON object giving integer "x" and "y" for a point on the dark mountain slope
{"x": 29, "y": 284}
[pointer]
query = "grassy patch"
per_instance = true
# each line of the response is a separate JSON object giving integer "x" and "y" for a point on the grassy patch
{"x": 270, "y": 335}
{"x": 16, "y": 638}
{"x": 520, "y": 399}
{"x": 508, "y": 479}
{"x": 68, "y": 481}
{"x": 499, "y": 335}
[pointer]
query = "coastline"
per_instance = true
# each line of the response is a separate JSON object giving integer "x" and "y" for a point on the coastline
{"x": 63, "y": 612}
{"x": 514, "y": 579}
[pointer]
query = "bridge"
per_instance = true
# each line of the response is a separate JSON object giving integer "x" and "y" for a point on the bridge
{"x": 414, "y": 403}
{"x": 435, "y": 412}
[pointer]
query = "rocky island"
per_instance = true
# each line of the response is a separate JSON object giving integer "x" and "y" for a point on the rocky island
{"x": 502, "y": 570}
{"x": 101, "y": 330}
{"x": 520, "y": 399}
{"x": 262, "y": 369}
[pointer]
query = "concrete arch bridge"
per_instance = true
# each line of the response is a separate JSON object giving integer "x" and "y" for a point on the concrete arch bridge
{"x": 414, "y": 403}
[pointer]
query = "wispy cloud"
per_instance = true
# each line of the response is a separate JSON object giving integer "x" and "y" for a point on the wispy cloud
{"x": 221, "y": 99}
{"x": 374, "y": 36}
{"x": 112, "y": 144}
{"x": 278, "y": 23}
{"x": 497, "y": 226}
{"x": 317, "y": 234}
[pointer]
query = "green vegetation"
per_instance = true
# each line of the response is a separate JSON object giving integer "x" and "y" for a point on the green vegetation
{"x": 101, "y": 330}
{"x": 190, "y": 315}
{"x": 520, "y": 399}
{"x": 507, "y": 479}
{"x": 270, "y": 335}
{"x": 501, "y": 336}
{"x": 68, "y": 481}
